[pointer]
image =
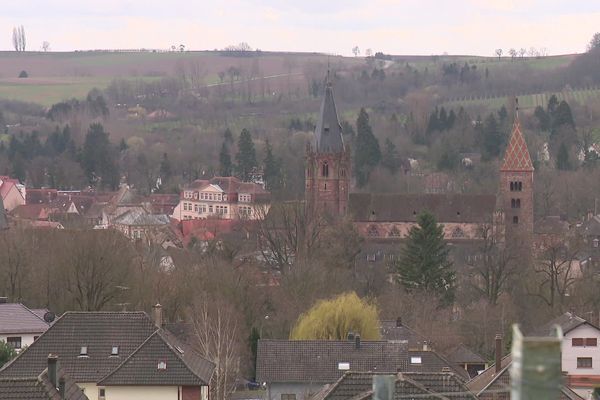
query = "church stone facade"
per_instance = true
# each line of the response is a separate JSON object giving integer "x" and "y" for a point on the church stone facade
{"x": 384, "y": 218}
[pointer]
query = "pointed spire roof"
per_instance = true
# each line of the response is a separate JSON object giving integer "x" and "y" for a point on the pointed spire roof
{"x": 328, "y": 133}
{"x": 516, "y": 157}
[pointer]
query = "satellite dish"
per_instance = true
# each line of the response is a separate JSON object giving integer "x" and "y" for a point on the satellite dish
{"x": 49, "y": 316}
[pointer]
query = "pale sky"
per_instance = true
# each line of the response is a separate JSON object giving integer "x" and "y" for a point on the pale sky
{"x": 333, "y": 26}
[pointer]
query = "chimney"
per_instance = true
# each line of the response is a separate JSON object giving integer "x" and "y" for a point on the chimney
{"x": 357, "y": 341}
{"x": 350, "y": 336}
{"x": 498, "y": 353}
{"x": 61, "y": 388}
{"x": 157, "y": 314}
{"x": 398, "y": 322}
{"x": 52, "y": 370}
{"x": 384, "y": 387}
{"x": 425, "y": 346}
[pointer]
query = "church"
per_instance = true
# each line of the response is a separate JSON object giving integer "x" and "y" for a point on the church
{"x": 388, "y": 217}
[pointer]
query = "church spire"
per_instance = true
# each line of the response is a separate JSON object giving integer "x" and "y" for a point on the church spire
{"x": 328, "y": 133}
{"x": 516, "y": 156}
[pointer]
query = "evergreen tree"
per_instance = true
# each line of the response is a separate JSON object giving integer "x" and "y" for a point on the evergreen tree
{"x": 543, "y": 118}
{"x": 98, "y": 159}
{"x": 367, "y": 152}
{"x": 451, "y": 119}
{"x": 562, "y": 116}
{"x": 225, "y": 164}
{"x": 443, "y": 120}
{"x": 492, "y": 137}
{"x": 165, "y": 167}
{"x": 246, "y": 156}
{"x": 271, "y": 169}
{"x": 562, "y": 158}
{"x": 390, "y": 158}
{"x": 552, "y": 104}
{"x": 434, "y": 123}
{"x": 502, "y": 115}
{"x": 424, "y": 264}
{"x": 228, "y": 136}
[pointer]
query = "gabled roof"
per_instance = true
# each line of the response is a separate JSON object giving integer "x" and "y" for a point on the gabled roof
{"x": 318, "y": 360}
{"x": 99, "y": 331}
{"x": 183, "y": 366}
{"x": 406, "y": 207}
{"x": 328, "y": 133}
{"x": 567, "y": 322}
{"x": 516, "y": 156}
{"x": 138, "y": 217}
{"x": 481, "y": 381}
{"x": 17, "y": 318}
{"x": 462, "y": 354}
{"x": 591, "y": 227}
{"x": 359, "y": 385}
{"x": 39, "y": 387}
{"x": 432, "y": 362}
{"x": 394, "y": 330}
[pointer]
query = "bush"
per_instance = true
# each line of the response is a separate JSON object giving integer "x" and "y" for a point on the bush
{"x": 23, "y": 74}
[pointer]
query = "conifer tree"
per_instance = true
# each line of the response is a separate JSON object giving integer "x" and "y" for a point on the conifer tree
{"x": 98, "y": 159}
{"x": 562, "y": 158}
{"x": 424, "y": 264}
{"x": 271, "y": 169}
{"x": 492, "y": 137}
{"x": 225, "y": 164}
{"x": 246, "y": 156}
{"x": 390, "y": 158}
{"x": 165, "y": 167}
{"x": 367, "y": 152}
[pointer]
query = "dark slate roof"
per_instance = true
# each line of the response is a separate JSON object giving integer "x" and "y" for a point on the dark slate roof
{"x": 481, "y": 381}
{"x": 432, "y": 362}
{"x": 328, "y": 133}
{"x": 406, "y": 207}
{"x": 16, "y": 318}
{"x": 318, "y": 360}
{"x": 394, "y": 330}
{"x": 462, "y": 354}
{"x": 99, "y": 331}
{"x": 39, "y": 388}
{"x": 568, "y": 321}
{"x": 184, "y": 366}
{"x": 591, "y": 227}
{"x": 359, "y": 385}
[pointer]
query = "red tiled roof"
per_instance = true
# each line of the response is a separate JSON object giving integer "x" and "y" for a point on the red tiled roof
{"x": 31, "y": 211}
{"x": 516, "y": 157}
{"x": 37, "y": 196}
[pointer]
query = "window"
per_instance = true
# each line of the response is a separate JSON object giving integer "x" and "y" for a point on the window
{"x": 416, "y": 360}
{"x": 591, "y": 342}
{"x": 516, "y": 186}
{"x": 343, "y": 172}
{"x": 577, "y": 342}
{"x": 210, "y": 209}
{"x": 161, "y": 366}
{"x": 596, "y": 242}
{"x": 83, "y": 352}
{"x": 584, "y": 362}
{"x": 373, "y": 231}
{"x": 515, "y": 220}
{"x": 515, "y": 203}
{"x": 394, "y": 232}
{"x": 114, "y": 351}
{"x": 343, "y": 366}
{"x": 325, "y": 170}
{"x": 14, "y": 341}
{"x": 458, "y": 233}
{"x": 288, "y": 396}
{"x": 101, "y": 394}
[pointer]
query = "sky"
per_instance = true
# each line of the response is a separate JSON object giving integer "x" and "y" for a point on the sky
{"x": 422, "y": 27}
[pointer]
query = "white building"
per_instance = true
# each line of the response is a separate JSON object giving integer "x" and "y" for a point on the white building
{"x": 224, "y": 198}
{"x": 19, "y": 325}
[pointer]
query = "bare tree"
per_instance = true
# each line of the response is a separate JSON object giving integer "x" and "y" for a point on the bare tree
{"x": 15, "y": 252}
{"x": 512, "y": 53}
{"x": 498, "y": 53}
{"x": 15, "y": 39}
{"x": 522, "y": 52}
{"x": 533, "y": 52}
{"x": 216, "y": 332}
{"x": 182, "y": 48}
{"x": 356, "y": 51}
{"x": 368, "y": 52}
{"x": 46, "y": 45}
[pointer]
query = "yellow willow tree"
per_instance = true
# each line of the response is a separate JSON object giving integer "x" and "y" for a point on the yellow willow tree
{"x": 333, "y": 319}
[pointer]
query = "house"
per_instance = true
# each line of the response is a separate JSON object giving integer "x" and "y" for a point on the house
{"x": 50, "y": 384}
{"x": 580, "y": 352}
{"x": 223, "y": 198}
{"x": 467, "y": 359}
{"x": 138, "y": 224}
{"x": 118, "y": 355}
{"x": 20, "y": 325}
{"x": 494, "y": 382}
{"x": 407, "y": 385}
{"x": 297, "y": 369}
{"x": 12, "y": 192}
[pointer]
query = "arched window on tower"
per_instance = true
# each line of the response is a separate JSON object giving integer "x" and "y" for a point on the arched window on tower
{"x": 325, "y": 170}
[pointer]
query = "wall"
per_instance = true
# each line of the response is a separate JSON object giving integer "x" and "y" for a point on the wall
{"x": 301, "y": 390}
{"x": 13, "y": 199}
{"x": 138, "y": 392}
{"x": 570, "y": 353}
{"x": 26, "y": 338}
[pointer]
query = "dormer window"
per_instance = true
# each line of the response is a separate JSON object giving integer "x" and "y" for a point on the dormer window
{"x": 326, "y": 128}
{"x": 114, "y": 351}
{"x": 596, "y": 242}
{"x": 83, "y": 352}
{"x": 161, "y": 366}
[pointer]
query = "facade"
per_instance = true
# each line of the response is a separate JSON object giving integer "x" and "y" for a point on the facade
{"x": 118, "y": 355}
{"x": 328, "y": 164}
{"x": 138, "y": 224}
{"x": 12, "y": 192}
{"x": 382, "y": 218}
{"x": 222, "y": 198}
{"x": 19, "y": 325}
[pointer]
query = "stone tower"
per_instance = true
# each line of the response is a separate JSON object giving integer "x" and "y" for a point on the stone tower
{"x": 328, "y": 173}
{"x": 516, "y": 187}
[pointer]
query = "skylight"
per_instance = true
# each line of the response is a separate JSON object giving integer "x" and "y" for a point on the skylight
{"x": 415, "y": 360}
{"x": 114, "y": 351}
{"x": 83, "y": 352}
{"x": 343, "y": 366}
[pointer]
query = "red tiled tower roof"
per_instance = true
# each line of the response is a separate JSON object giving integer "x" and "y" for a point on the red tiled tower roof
{"x": 516, "y": 157}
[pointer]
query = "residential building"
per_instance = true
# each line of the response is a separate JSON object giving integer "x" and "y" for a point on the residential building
{"x": 12, "y": 192}
{"x": 139, "y": 224}
{"x": 407, "y": 385}
{"x": 467, "y": 359}
{"x": 50, "y": 384}
{"x": 223, "y": 198}
{"x": 298, "y": 369}
{"x": 21, "y": 326}
{"x": 118, "y": 355}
